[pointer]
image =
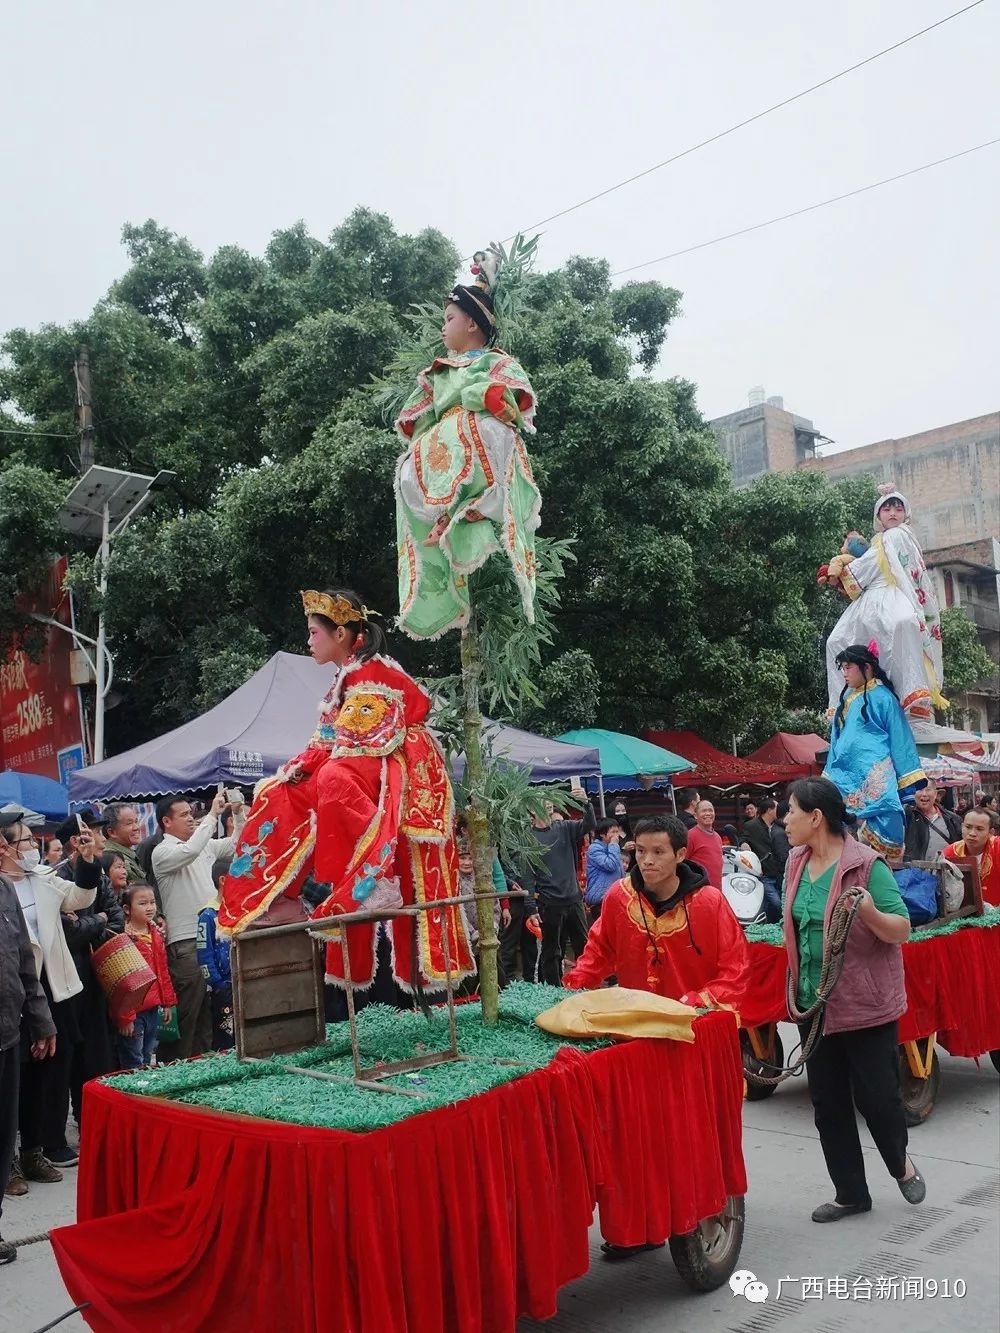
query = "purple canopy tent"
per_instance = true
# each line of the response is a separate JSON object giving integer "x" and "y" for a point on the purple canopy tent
{"x": 239, "y": 741}
{"x": 259, "y": 726}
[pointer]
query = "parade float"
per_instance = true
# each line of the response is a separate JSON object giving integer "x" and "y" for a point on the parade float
{"x": 436, "y": 1169}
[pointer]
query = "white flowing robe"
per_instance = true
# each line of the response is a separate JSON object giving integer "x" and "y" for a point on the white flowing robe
{"x": 892, "y": 602}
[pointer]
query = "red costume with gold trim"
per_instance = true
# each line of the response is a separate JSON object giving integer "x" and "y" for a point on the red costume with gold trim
{"x": 694, "y": 952}
{"x": 374, "y": 803}
{"x": 989, "y": 866}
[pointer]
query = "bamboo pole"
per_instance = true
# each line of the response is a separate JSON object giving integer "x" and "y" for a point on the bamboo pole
{"x": 477, "y": 822}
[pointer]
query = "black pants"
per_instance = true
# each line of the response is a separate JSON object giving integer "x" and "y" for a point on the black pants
{"x": 517, "y": 935}
{"x": 93, "y": 1054}
{"x": 858, "y": 1069}
{"x": 43, "y": 1100}
{"x": 562, "y": 923}
{"x": 194, "y": 1009}
{"x": 383, "y": 990}
{"x": 10, "y": 1080}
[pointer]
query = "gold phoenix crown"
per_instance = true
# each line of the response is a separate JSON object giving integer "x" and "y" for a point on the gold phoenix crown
{"x": 337, "y": 609}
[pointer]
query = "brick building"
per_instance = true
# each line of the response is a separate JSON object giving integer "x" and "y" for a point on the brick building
{"x": 950, "y": 475}
{"x": 764, "y": 438}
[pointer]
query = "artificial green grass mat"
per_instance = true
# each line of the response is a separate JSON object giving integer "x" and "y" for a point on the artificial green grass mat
{"x": 221, "y": 1082}
{"x": 990, "y": 917}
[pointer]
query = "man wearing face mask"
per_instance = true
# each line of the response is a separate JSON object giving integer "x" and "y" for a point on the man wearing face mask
{"x": 44, "y": 1091}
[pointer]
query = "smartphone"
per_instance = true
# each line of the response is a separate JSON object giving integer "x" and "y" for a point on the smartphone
{"x": 81, "y": 825}
{"x": 234, "y": 796}
{"x": 220, "y": 790}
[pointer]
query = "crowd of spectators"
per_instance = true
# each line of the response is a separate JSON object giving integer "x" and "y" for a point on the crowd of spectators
{"x": 94, "y": 878}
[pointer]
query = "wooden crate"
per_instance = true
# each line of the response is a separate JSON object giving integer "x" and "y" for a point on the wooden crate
{"x": 277, "y": 993}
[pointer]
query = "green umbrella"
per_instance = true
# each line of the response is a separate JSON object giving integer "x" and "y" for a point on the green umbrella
{"x": 622, "y": 755}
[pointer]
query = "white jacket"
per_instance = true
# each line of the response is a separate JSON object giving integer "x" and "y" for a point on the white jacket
{"x": 53, "y": 895}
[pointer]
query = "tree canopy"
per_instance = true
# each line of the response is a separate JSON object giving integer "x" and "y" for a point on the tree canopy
{"x": 686, "y": 603}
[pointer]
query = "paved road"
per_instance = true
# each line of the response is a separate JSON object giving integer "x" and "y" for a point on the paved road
{"x": 955, "y": 1234}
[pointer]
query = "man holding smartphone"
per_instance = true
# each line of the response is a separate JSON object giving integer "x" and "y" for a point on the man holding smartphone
{"x": 182, "y": 864}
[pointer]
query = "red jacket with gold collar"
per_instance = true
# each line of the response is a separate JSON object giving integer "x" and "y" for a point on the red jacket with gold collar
{"x": 694, "y": 951}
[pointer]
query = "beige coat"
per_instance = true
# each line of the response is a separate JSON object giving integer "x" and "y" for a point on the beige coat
{"x": 54, "y": 895}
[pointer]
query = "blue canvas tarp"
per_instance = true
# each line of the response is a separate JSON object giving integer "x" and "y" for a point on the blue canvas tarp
{"x": 259, "y": 726}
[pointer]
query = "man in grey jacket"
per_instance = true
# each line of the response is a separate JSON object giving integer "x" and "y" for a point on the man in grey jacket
{"x": 21, "y": 994}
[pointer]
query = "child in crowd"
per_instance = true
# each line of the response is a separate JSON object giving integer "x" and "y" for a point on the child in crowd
{"x": 136, "y": 1039}
{"x": 213, "y": 958}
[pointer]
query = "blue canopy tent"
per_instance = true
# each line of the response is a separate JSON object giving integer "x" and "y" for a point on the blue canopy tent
{"x": 624, "y": 758}
{"x": 258, "y": 727}
{"x": 31, "y": 791}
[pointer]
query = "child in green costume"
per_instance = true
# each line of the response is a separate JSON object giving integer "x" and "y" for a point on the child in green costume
{"x": 464, "y": 487}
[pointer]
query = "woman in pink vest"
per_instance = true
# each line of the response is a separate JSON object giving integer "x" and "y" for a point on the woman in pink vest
{"x": 856, "y": 1063}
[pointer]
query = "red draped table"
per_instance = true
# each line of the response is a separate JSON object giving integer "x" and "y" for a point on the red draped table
{"x": 453, "y": 1221}
{"x": 952, "y": 988}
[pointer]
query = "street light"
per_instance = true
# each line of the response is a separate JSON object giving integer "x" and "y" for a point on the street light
{"x": 102, "y": 504}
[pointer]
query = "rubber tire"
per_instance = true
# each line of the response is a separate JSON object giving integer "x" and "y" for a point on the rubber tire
{"x": 919, "y": 1094}
{"x": 995, "y": 1057}
{"x": 701, "y": 1269}
{"x": 758, "y": 1092}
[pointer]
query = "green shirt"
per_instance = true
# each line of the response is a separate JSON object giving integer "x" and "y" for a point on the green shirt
{"x": 808, "y": 909}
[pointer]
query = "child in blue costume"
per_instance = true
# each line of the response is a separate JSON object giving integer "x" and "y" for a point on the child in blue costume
{"x": 213, "y": 959}
{"x": 873, "y": 760}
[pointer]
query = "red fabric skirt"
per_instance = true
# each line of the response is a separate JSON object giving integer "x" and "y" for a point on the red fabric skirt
{"x": 952, "y": 988}
{"x": 455, "y": 1221}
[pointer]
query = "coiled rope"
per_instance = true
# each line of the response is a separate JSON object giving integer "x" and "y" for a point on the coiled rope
{"x": 838, "y": 928}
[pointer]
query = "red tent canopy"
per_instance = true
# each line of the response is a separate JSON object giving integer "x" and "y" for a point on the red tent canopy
{"x": 786, "y": 748}
{"x": 715, "y": 768}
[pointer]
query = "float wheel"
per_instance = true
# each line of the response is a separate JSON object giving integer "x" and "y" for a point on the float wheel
{"x": 707, "y": 1256}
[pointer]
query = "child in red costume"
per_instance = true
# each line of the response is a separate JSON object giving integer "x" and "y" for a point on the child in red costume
{"x": 665, "y": 929}
{"x": 137, "y": 1031}
{"x": 367, "y": 805}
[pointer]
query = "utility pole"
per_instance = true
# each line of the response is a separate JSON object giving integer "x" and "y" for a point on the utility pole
{"x": 84, "y": 409}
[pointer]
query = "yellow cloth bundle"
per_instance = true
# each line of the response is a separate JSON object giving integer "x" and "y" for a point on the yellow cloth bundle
{"x": 616, "y": 1011}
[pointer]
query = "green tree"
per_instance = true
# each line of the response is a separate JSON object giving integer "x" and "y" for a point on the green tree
{"x": 965, "y": 659}
{"x": 30, "y": 500}
{"x": 165, "y": 281}
{"x": 686, "y": 603}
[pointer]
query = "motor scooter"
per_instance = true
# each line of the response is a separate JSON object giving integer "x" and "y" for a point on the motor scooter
{"x": 743, "y": 885}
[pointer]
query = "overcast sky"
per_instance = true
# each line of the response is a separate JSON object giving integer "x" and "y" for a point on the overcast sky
{"x": 875, "y": 317}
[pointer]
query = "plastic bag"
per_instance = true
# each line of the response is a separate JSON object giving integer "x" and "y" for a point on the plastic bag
{"x": 918, "y": 889}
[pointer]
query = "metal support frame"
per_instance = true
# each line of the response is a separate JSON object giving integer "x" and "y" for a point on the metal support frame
{"x": 368, "y": 1076}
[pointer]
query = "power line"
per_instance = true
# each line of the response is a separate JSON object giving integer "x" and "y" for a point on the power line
{"x": 722, "y": 134}
{"x": 810, "y": 208}
{"x": 42, "y": 434}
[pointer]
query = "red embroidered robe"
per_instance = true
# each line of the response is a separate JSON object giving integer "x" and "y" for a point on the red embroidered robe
{"x": 374, "y": 803}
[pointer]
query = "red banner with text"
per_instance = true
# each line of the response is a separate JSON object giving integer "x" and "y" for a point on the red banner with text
{"x": 41, "y": 724}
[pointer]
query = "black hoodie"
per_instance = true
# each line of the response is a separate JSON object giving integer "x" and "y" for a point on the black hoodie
{"x": 690, "y": 878}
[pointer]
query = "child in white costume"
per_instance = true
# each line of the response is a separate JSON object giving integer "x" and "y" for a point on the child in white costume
{"x": 892, "y": 602}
